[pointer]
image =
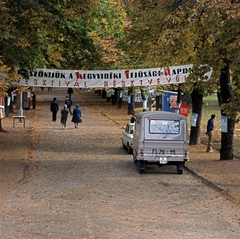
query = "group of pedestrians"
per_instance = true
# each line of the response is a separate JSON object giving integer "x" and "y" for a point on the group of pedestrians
{"x": 66, "y": 110}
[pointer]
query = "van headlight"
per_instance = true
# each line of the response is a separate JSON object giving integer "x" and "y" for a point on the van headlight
{"x": 163, "y": 160}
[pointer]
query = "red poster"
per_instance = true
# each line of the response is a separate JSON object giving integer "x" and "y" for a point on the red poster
{"x": 184, "y": 109}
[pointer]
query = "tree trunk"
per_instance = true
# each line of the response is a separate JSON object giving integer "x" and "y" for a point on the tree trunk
{"x": 104, "y": 94}
{"x": 219, "y": 96}
{"x": 197, "y": 103}
{"x": 1, "y": 125}
{"x": 11, "y": 102}
{"x": 131, "y": 105}
{"x": 226, "y": 151}
{"x": 157, "y": 103}
{"x": 115, "y": 97}
{"x": 11, "y": 107}
{"x": 120, "y": 103}
{"x": 131, "y": 102}
{"x": 6, "y": 108}
{"x": 1, "y": 128}
{"x": 144, "y": 99}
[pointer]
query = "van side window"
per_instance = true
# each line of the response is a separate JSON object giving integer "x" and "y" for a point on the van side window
{"x": 131, "y": 129}
{"x": 164, "y": 126}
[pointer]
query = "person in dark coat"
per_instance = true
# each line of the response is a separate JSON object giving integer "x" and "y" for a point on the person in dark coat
{"x": 209, "y": 133}
{"x": 54, "y": 109}
{"x": 68, "y": 102}
{"x": 64, "y": 115}
{"x": 77, "y": 114}
{"x": 70, "y": 92}
{"x": 33, "y": 100}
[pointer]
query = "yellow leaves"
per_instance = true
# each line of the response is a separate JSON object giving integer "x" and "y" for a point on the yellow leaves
{"x": 54, "y": 55}
{"x": 22, "y": 42}
{"x": 105, "y": 22}
{"x": 6, "y": 76}
{"x": 3, "y": 89}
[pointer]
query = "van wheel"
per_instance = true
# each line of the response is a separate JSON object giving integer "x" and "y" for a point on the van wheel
{"x": 141, "y": 166}
{"x": 141, "y": 171}
{"x": 180, "y": 171}
{"x": 129, "y": 150}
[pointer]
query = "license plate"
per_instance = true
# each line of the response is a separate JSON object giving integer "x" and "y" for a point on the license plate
{"x": 163, "y": 152}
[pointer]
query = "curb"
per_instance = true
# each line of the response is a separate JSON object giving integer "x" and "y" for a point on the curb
{"x": 213, "y": 185}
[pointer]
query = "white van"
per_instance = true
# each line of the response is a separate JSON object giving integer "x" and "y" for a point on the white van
{"x": 160, "y": 138}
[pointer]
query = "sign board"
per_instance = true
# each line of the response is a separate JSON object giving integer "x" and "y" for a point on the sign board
{"x": 194, "y": 119}
{"x": 169, "y": 101}
{"x": 184, "y": 109}
{"x": 224, "y": 124}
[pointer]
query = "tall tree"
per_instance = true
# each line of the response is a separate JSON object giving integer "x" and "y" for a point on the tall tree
{"x": 168, "y": 38}
{"x": 107, "y": 30}
{"x": 198, "y": 32}
{"x": 222, "y": 53}
{"x": 54, "y": 34}
{"x": 226, "y": 151}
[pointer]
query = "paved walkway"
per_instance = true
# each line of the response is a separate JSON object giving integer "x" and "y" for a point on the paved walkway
{"x": 80, "y": 183}
{"x": 221, "y": 175}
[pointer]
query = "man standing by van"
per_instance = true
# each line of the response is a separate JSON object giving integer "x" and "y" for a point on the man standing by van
{"x": 210, "y": 128}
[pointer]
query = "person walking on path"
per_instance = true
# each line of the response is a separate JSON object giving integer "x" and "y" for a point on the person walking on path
{"x": 210, "y": 128}
{"x": 33, "y": 100}
{"x": 76, "y": 119}
{"x": 54, "y": 109}
{"x": 64, "y": 115}
{"x": 68, "y": 102}
{"x": 70, "y": 92}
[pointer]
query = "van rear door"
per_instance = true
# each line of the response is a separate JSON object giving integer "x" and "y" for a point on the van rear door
{"x": 164, "y": 138}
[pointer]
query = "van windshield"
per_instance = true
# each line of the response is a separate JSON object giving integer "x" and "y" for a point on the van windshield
{"x": 164, "y": 126}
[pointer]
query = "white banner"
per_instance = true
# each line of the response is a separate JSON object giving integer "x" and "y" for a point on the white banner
{"x": 106, "y": 78}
